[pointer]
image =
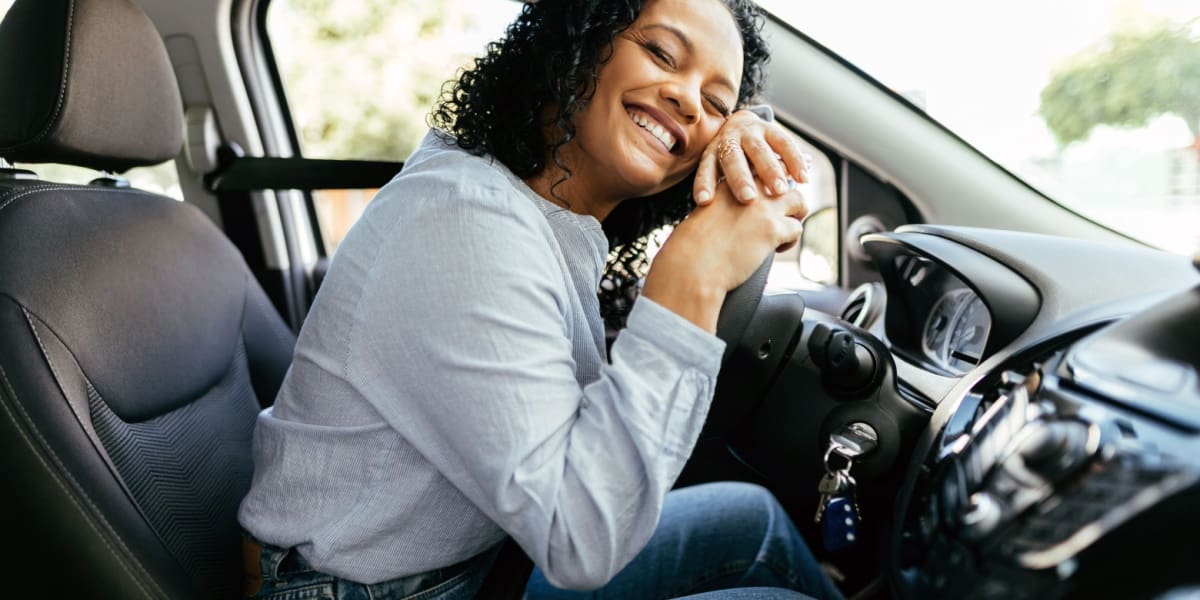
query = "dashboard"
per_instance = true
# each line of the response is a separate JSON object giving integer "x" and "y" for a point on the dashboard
{"x": 1032, "y": 404}
{"x": 1064, "y": 380}
{"x": 954, "y": 322}
{"x": 955, "y": 331}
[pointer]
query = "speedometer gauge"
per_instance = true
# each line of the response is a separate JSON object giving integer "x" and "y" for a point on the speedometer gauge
{"x": 968, "y": 336}
{"x": 937, "y": 325}
{"x": 956, "y": 331}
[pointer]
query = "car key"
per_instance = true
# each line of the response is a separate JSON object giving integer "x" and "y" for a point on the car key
{"x": 854, "y": 440}
{"x": 839, "y": 523}
{"x": 830, "y": 485}
{"x": 838, "y": 512}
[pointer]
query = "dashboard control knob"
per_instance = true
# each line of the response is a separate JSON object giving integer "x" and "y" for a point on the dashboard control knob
{"x": 817, "y": 342}
{"x": 1056, "y": 448}
{"x": 849, "y": 360}
{"x": 851, "y": 364}
{"x": 982, "y": 515}
{"x": 1011, "y": 379}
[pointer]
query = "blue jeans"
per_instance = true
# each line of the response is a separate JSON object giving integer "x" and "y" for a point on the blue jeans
{"x": 287, "y": 576}
{"x": 716, "y": 540}
{"x": 727, "y": 541}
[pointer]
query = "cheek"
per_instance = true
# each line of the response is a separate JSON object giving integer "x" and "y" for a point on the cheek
{"x": 706, "y": 133}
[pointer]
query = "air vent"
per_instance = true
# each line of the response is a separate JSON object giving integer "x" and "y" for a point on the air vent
{"x": 864, "y": 305}
{"x": 854, "y": 310}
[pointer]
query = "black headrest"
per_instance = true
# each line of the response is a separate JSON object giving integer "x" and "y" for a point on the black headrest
{"x": 86, "y": 82}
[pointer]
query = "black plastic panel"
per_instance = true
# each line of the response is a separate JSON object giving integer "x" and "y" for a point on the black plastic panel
{"x": 1011, "y": 300}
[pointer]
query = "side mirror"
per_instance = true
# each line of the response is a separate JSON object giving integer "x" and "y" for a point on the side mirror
{"x": 818, "y": 255}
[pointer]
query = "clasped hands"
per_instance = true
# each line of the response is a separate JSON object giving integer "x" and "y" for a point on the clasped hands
{"x": 728, "y": 234}
{"x": 755, "y": 159}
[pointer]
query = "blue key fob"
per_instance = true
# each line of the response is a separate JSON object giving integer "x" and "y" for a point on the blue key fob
{"x": 839, "y": 524}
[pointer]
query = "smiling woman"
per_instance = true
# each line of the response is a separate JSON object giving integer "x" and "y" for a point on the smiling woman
{"x": 656, "y": 184}
{"x": 492, "y": 408}
{"x": 625, "y": 132}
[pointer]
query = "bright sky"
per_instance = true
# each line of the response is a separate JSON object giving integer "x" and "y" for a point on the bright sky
{"x": 980, "y": 65}
{"x": 981, "y": 68}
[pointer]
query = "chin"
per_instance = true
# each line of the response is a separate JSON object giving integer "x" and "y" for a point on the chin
{"x": 643, "y": 180}
{"x": 641, "y": 183}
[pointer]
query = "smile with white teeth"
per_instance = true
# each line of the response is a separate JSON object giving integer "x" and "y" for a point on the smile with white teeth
{"x": 654, "y": 128}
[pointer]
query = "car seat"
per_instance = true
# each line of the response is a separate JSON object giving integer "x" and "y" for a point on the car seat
{"x": 136, "y": 347}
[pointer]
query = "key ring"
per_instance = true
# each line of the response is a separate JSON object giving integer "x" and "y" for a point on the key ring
{"x": 829, "y": 454}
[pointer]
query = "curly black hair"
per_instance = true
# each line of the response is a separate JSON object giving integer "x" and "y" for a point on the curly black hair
{"x": 551, "y": 56}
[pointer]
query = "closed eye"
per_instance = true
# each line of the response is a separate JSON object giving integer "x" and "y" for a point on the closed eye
{"x": 660, "y": 54}
{"x": 721, "y": 108}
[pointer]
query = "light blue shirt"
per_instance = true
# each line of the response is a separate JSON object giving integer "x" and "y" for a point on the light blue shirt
{"x": 450, "y": 386}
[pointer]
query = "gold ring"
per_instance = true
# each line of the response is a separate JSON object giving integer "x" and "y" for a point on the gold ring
{"x": 728, "y": 146}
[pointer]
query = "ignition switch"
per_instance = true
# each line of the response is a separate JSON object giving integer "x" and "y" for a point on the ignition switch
{"x": 849, "y": 365}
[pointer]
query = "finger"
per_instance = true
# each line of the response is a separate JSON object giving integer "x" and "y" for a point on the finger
{"x": 766, "y": 164}
{"x": 788, "y": 231}
{"x": 741, "y": 119}
{"x": 706, "y": 179}
{"x": 792, "y": 204}
{"x": 789, "y": 150}
{"x": 797, "y": 205}
{"x": 736, "y": 170}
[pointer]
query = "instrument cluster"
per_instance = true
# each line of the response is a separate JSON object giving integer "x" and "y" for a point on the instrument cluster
{"x": 945, "y": 323}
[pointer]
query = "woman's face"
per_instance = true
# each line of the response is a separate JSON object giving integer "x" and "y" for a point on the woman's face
{"x": 664, "y": 93}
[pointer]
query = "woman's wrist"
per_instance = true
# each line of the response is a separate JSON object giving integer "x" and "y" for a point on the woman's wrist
{"x": 691, "y": 296}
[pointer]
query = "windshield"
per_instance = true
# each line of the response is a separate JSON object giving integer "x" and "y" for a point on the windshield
{"x": 1094, "y": 102}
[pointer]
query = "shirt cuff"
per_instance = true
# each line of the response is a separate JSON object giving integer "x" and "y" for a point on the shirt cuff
{"x": 675, "y": 335}
{"x": 764, "y": 112}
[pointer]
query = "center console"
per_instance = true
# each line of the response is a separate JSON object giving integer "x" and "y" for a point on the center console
{"x": 1074, "y": 472}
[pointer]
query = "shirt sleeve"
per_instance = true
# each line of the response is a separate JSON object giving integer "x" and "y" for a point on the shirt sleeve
{"x": 764, "y": 112}
{"x": 462, "y": 345}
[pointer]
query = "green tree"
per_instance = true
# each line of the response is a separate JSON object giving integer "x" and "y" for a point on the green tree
{"x": 361, "y": 76}
{"x": 1127, "y": 80}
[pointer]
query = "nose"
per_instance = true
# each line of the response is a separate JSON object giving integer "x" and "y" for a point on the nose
{"x": 684, "y": 96}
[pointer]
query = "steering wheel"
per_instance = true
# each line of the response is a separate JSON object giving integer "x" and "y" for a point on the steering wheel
{"x": 740, "y": 304}
{"x": 729, "y": 405}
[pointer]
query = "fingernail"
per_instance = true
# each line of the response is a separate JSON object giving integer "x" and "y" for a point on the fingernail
{"x": 747, "y": 193}
{"x": 702, "y": 197}
{"x": 781, "y": 186}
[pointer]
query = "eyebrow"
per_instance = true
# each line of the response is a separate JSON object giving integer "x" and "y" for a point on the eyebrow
{"x": 687, "y": 43}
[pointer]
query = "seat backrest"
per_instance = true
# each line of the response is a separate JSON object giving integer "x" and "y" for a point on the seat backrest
{"x": 135, "y": 344}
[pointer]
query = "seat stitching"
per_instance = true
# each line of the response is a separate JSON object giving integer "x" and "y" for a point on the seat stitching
{"x": 58, "y": 461}
{"x": 78, "y": 488}
{"x": 21, "y": 193}
{"x": 91, "y": 434}
{"x": 62, "y": 87}
{"x": 44, "y": 188}
{"x": 53, "y": 370}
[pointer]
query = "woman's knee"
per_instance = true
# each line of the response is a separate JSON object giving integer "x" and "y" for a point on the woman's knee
{"x": 740, "y": 500}
{"x": 745, "y": 512}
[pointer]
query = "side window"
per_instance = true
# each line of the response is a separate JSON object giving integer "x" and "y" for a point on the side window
{"x": 161, "y": 178}
{"x": 361, "y": 76}
{"x": 815, "y": 264}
